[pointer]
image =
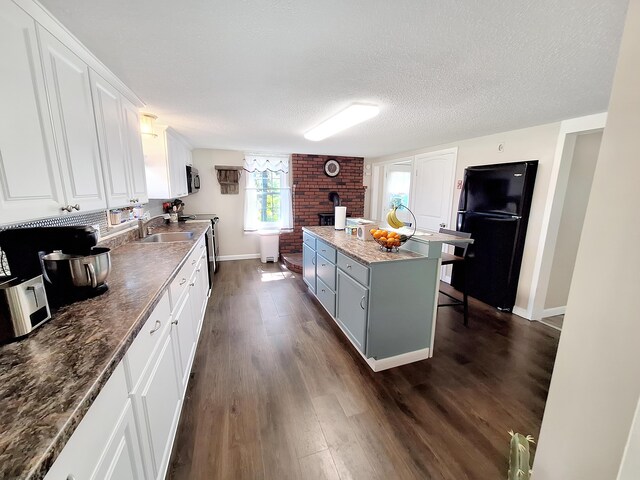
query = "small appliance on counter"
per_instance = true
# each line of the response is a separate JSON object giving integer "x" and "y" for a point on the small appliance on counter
{"x": 23, "y": 307}
{"x": 67, "y": 257}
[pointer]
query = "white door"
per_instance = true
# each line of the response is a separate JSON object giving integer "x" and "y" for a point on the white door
{"x": 121, "y": 459}
{"x": 397, "y": 189}
{"x": 29, "y": 179}
{"x": 433, "y": 189}
{"x": 133, "y": 140}
{"x": 115, "y": 168}
{"x": 69, "y": 91}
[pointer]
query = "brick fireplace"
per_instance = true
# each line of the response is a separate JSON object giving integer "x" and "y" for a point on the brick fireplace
{"x": 311, "y": 188}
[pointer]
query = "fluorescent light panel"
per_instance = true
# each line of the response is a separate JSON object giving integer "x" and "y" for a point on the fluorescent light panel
{"x": 350, "y": 116}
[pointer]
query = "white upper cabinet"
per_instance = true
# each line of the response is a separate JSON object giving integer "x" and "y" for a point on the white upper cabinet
{"x": 30, "y": 185}
{"x": 120, "y": 145}
{"x": 69, "y": 93}
{"x": 138, "y": 178}
{"x": 166, "y": 159}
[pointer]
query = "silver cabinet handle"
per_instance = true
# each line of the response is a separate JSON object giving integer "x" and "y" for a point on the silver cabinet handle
{"x": 192, "y": 284}
{"x": 193, "y": 262}
{"x": 198, "y": 270}
{"x": 76, "y": 207}
{"x": 362, "y": 300}
{"x": 71, "y": 477}
{"x": 156, "y": 328}
{"x": 313, "y": 260}
{"x": 183, "y": 281}
{"x": 66, "y": 208}
{"x": 175, "y": 322}
{"x": 323, "y": 290}
{"x": 348, "y": 265}
{"x": 324, "y": 264}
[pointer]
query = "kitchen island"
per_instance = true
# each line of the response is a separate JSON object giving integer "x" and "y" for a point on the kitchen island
{"x": 384, "y": 302}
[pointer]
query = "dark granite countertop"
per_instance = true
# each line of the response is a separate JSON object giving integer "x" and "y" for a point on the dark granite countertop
{"x": 366, "y": 252}
{"x": 49, "y": 380}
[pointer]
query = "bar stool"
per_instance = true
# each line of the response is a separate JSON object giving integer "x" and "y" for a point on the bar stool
{"x": 448, "y": 259}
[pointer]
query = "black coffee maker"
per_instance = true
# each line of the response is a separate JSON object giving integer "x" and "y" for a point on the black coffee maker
{"x": 27, "y": 249}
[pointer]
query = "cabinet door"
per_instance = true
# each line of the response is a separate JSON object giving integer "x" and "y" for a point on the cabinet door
{"x": 309, "y": 267}
{"x": 177, "y": 165}
{"x": 351, "y": 311}
{"x": 160, "y": 405}
{"x": 30, "y": 185}
{"x": 133, "y": 140}
{"x": 115, "y": 168}
{"x": 184, "y": 337}
{"x": 69, "y": 92}
{"x": 121, "y": 458}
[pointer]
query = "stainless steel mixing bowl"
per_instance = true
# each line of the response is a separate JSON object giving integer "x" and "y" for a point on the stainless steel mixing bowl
{"x": 64, "y": 270}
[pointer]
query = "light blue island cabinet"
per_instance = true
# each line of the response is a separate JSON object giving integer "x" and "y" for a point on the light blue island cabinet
{"x": 384, "y": 302}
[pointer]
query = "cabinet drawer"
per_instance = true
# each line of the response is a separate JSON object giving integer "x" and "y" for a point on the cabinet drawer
{"x": 309, "y": 240}
{"x": 326, "y": 271}
{"x": 354, "y": 269}
{"x": 139, "y": 353}
{"x": 327, "y": 297}
{"x": 326, "y": 251}
{"x": 181, "y": 281}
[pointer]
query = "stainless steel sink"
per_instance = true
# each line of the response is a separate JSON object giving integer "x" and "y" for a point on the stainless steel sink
{"x": 169, "y": 237}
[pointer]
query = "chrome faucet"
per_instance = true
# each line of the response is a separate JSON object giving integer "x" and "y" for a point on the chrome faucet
{"x": 143, "y": 232}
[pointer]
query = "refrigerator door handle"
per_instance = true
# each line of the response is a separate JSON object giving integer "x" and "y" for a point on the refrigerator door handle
{"x": 517, "y": 217}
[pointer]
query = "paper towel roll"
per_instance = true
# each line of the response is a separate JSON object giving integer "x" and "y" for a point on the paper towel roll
{"x": 340, "y": 218}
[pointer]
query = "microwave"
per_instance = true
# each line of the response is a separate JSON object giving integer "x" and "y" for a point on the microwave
{"x": 193, "y": 179}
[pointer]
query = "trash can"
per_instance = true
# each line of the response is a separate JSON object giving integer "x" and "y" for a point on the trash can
{"x": 269, "y": 245}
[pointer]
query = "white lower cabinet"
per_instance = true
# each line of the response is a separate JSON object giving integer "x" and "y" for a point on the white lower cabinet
{"x": 158, "y": 406}
{"x": 129, "y": 431}
{"x": 122, "y": 458}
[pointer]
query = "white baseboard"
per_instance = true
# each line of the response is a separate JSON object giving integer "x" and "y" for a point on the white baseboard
{"x": 244, "y": 256}
{"x": 396, "y": 361}
{"x": 522, "y": 312}
{"x": 552, "y": 312}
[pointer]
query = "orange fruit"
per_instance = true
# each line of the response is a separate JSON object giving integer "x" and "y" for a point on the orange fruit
{"x": 377, "y": 234}
{"x": 397, "y": 242}
{"x": 372, "y": 231}
{"x": 384, "y": 233}
{"x": 383, "y": 239}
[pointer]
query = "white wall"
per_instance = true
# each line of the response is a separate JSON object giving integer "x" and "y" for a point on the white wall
{"x": 230, "y": 208}
{"x": 534, "y": 143}
{"x": 596, "y": 380}
{"x": 583, "y": 166}
{"x": 630, "y": 467}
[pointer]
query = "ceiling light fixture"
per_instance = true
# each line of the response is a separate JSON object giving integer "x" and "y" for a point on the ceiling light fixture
{"x": 147, "y": 122}
{"x": 352, "y": 115}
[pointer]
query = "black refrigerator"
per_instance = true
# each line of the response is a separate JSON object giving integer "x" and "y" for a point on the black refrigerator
{"x": 494, "y": 208}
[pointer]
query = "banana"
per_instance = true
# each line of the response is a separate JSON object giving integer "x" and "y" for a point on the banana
{"x": 393, "y": 220}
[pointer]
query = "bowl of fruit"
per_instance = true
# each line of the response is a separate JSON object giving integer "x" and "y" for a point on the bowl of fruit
{"x": 388, "y": 240}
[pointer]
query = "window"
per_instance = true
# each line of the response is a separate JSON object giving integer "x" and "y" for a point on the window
{"x": 267, "y": 192}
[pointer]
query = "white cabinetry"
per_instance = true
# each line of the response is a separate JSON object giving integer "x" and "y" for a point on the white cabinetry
{"x": 166, "y": 157}
{"x": 69, "y": 93}
{"x": 105, "y": 442}
{"x": 30, "y": 185}
{"x": 120, "y": 144}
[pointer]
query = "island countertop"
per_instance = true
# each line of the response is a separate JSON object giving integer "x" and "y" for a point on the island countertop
{"x": 49, "y": 380}
{"x": 369, "y": 252}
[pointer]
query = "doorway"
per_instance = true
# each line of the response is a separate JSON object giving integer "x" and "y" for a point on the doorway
{"x": 432, "y": 192}
{"x": 397, "y": 188}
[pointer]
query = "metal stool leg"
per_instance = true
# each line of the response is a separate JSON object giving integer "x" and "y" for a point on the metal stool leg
{"x": 465, "y": 302}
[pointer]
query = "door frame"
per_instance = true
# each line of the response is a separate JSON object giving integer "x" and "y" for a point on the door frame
{"x": 558, "y": 183}
{"x": 377, "y": 184}
{"x": 453, "y": 152}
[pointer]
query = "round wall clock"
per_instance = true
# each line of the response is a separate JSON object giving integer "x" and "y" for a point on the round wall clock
{"x": 331, "y": 168}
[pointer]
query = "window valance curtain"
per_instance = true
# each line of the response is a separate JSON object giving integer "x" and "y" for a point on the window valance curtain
{"x": 262, "y": 163}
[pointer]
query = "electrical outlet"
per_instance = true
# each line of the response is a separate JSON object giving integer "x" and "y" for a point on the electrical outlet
{"x": 459, "y": 185}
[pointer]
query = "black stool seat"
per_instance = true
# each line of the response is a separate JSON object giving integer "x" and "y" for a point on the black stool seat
{"x": 449, "y": 259}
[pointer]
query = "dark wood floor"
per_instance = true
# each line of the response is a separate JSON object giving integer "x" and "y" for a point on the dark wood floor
{"x": 278, "y": 392}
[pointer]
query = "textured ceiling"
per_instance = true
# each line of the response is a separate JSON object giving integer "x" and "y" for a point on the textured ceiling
{"x": 255, "y": 75}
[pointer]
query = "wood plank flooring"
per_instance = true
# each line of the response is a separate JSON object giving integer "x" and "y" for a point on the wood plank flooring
{"x": 277, "y": 392}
